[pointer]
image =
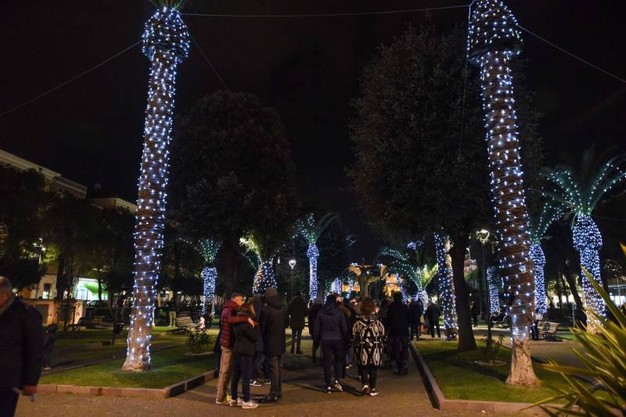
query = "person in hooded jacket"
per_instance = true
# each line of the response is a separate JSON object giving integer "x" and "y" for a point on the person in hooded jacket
{"x": 297, "y": 313}
{"x": 313, "y": 312}
{"x": 274, "y": 320}
{"x": 243, "y": 354}
{"x": 397, "y": 324}
{"x": 331, "y": 332}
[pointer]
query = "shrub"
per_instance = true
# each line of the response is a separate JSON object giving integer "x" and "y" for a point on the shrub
{"x": 198, "y": 341}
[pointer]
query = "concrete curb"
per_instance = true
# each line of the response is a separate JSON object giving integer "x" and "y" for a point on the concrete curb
{"x": 149, "y": 393}
{"x": 440, "y": 402}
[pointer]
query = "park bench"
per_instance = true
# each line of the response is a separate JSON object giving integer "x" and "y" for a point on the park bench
{"x": 548, "y": 330}
{"x": 87, "y": 323}
{"x": 185, "y": 324}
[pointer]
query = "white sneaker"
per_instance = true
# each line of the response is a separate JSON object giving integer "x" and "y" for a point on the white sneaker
{"x": 247, "y": 405}
{"x": 337, "y": 386}
{"x": 236, "y": 403}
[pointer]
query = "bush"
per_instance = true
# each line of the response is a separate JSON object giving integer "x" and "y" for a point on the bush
{"x": 198, "y": 341}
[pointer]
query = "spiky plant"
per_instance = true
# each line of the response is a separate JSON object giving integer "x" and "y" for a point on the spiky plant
{"x": 539, "y": 225}
{"x": 311, "y": 229}
{"x": 579, "y": 192}
{"x": 603, "y": 355}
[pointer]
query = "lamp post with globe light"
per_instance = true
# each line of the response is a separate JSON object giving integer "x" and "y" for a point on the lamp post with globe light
{"x": 292, "y": 264}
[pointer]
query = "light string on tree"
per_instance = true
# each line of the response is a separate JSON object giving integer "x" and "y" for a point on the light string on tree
{"x": 494, "y": 289}
{"x": 446, "y": 285}
{"x": 264, "y": 278}
{"x": 493, "y": 40}
{"x": 311, "y": 229}
{"x": 208, "y": 249}
{"x": 165, "y": 43}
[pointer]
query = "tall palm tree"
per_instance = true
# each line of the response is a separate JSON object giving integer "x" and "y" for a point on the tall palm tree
{"x": 494, "y": 39}
{"x": 166, "y": 44}
{"x": 207, "y": 248}
{"x": 311, "y": 229}
{"x": 538, "y": 227}
{"x": 262, "y": 260}
{"x": 579, "y": 192}
{"x": 445, "y": 277}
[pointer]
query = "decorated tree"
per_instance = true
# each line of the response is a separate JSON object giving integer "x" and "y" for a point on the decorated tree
{"x": 446, "y": 284}
{"x": 166, "y": 44}
{"x": 262, "y": 258}
{"x": 311, "y": 229}
{"x": 494, "y": 39}
{"x": 495, "y": 286}
{"x": 208, "y": 249}
{"x": 579, "y": 192}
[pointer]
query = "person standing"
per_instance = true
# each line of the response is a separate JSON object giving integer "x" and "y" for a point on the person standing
{"x": 313, "y": 312}
{"x": 369, "y": 345}
{"x": 261, "y": 367}
{"x": 228, "y": 318}
{"x": 297, "y": 313}
{"x": 397, "y": 324}
{"x": 243, "y": 354}
{"x": 432, "y": 315}
{"x": 274, "y": 321}
{"x": 416, "y": 310}
{"x": 330, "y": 330}
{"x": 21, "y": 349}
{"x": 474, "y": 313}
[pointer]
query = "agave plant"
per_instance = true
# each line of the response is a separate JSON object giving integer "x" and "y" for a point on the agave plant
{"x": 604, "y": 357}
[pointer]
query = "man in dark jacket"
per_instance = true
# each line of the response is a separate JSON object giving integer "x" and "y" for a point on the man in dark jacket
{"x": 274, "y": 321}
{"x": 397, "y": 323}
{"x": 228, "y": 318}
{"x": 331, "y": 330}
{"x": 432, "y": 315}
{"x": 21, "y": 349}
{"x": 297, "y": 313}
{"x": 313, "y": 312}
{"x": 416, "y": 310}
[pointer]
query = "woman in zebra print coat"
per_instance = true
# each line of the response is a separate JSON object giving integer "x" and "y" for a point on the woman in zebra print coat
{"x": 369, "y": 343}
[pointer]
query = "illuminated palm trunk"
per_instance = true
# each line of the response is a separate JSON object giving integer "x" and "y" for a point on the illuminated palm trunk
{"x": 494, "y": 295}
{"x": 166, "y": 43}
{"x": 209, "y": 277}
{"x": 494, "y": 39}
{"x": 588, "y": 241}
{"x": 539, "y": 260}
{"x": 446, "y": 285}
{"x": 264, "y": 278}
{"x": 312, "y": 253}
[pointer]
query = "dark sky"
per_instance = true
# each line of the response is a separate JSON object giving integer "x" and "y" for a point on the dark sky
{"x": 307, "y": 68}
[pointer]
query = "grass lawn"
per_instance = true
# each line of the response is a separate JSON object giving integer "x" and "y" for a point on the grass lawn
{"x": 170, "y": 362}
{"x": 460, "y": 378}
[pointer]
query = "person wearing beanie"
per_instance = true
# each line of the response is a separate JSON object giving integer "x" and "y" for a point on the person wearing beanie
{"x": 274, "y": 320}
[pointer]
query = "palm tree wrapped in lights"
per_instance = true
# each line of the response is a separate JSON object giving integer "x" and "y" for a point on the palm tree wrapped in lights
{"x": 495, "y": 285}
{"x": 446, "y": 284}
{"x": 311, "y": 229}
{"x": 579, "y": 192}
{"x": 166, "y": 44}
{"x": 538, "y": 228}
{"x": 208, "y": 249}
{"x": 264, "y": 277}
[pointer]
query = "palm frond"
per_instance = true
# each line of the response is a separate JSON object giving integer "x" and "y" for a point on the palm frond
{"x": 311, "y": 229}
{"x": 539, "y": 225}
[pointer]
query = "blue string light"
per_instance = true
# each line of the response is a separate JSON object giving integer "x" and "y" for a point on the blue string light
{"x": 446, "y": 285}
{"x": 166, "y": 44}
{"x": 494, "y": 289}
{"x": 310, "y": 230}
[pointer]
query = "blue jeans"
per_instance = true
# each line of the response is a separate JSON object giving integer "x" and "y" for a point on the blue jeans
{"x": 242, "y": 370}
{"x": 333, "y": 353}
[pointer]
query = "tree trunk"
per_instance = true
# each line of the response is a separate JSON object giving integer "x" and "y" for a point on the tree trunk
{"x": 61, "y": 277}
{"x": 312, "y": 253}
{"x": 571, "y": 282}
{"x": 467, "y": 341}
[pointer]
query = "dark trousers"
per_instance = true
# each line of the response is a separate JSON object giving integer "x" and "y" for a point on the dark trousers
{"x": 261, "y": 366}
{"x": 316, "y": 346}
{"x": 415, "y": 330}
{"x": 431, "y": 328}
{"x": 296, "y": 339}
{"x": 242, "y": 370}
{"x": 368, "y": 375}
{"x": 276, "y": 374}
{"x": 8, "y": 402}
{"x": 333, "y": 354}
{"x": 400, "y": 350}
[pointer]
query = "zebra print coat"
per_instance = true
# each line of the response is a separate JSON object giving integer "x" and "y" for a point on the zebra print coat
{"x": 369, "y": 340}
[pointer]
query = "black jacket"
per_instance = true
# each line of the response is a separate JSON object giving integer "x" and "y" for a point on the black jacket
{"x": 245, "y": 338}
{"x": 330, "y": 324}
{"x": 274, "y": 321}
{"x": 416, "y": 309}
{"x": 397, "y": 321}
{"x": 297, "y": 312}
{"x": 21, "y": 346}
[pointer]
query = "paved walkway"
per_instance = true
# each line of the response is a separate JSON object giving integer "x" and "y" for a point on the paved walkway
{"x": 302, "y": 396}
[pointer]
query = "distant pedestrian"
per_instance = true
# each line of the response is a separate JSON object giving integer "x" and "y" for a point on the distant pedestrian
{"x": 297, "y": 313}
{"x": 369, "y": 345}
{"x": 432, "y": 315}
{"x": 416, "y": 310}
{"x": 243, "y": 354}
{"x": 331, "y": 331}
{"x": 397, "y": 325}
{"x": 49, "y": 337}
{"x": 21, "y": 349}
{"x": 274, "y": 320}
{"x": 228, "y": 318}
{"x": 313, "y": 312}
{"x": 172, "y": 313}
{"x": 474, "y": 313}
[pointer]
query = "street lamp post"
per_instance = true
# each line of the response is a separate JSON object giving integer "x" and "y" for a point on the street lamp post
{"x": 292, "y": 264}
{"x": 483, "y": 237}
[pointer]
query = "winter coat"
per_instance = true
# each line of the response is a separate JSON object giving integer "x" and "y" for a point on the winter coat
{"x": 397, "y": 321}
{"x": 245, "y": 338}
{"x": 274, "y": 321}
{"x": 313, "y": 313}
{"x": 258, "y": 309}
{"x": 369, "y": 340}
{"x": 416, "y": 310}
{"x": 227, "y": 319}
{"x": 297, "y": 312}
{"x": 21, "y": 345}
{"x": 433, "y": 313}
{"x": 330, "y": 324}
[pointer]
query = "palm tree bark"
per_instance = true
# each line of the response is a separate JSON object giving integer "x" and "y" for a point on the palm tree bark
{"x": 467, "y": 341}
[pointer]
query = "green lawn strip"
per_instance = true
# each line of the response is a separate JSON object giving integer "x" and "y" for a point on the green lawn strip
{"x": 460, "y": 378}
{"x": 169, "y": 367}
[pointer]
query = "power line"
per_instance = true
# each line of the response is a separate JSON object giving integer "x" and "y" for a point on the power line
{"x": 313, "y": 15}
{"x": 19, "y": 106}
{"x": 572, "y": 55}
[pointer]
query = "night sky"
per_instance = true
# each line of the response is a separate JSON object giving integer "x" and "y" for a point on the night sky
{"x": 307, "y": 68}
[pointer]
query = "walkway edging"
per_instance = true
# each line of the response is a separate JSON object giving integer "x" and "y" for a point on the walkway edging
{"x": 439, "y": 401}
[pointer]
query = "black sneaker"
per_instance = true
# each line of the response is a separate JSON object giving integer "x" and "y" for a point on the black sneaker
{"x": 373, "y": 392}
